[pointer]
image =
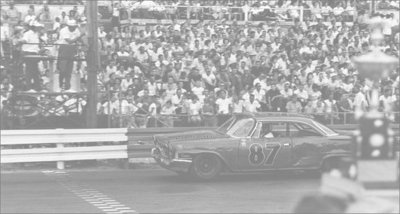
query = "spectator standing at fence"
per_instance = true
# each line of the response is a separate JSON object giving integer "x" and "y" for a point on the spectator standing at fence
{"x": 293, "y": 106}
{"x": 30, "y": 50}
{"x": 178, "y": 100}
{"x": 4, "y": 36}
{"x": 301, "y": 94}
{"x": 237, "y": 105}
{"x": 30, "y": 16}
{"x": 320, "y": 108}
{"x": 167, "y": 112}
{"x": 208, "y": 113}
{"x": 44, "y": 14}
{"x": 252, "y": 105}
{"x": 330, "y": 107}
{"x": 13, "y": 14}
{"x": 273, "y": 98}
{"x": 387, "y": 101}
{"x": 194, "y": 111}
{"x": 115, "y": 20}
{"x": 69, "y": 36}
{"x": 309, "y": 108}
{"x": 360, "y": 100}
{"x": 223, "y": 105}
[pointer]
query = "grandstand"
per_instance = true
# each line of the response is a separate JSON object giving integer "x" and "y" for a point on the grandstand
{"x": 269, "y": 50}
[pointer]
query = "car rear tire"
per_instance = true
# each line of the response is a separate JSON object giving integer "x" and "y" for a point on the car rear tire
{"x": 206, "y": 166}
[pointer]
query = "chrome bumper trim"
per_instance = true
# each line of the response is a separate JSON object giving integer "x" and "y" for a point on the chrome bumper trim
{"x": 181, "y": 160}
{"x": 156, "y": 155}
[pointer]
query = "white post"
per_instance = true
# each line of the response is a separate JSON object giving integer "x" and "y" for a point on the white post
{"x": 60, "y": 164}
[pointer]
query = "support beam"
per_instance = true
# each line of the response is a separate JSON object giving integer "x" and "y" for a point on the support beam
{"x": 93, "y": 64}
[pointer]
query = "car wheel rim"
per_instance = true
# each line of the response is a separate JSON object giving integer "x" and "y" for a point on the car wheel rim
{"x": 206, "y": 166}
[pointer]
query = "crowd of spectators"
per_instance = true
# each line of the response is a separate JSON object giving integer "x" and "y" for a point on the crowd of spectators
{"x": 211, "y": 69}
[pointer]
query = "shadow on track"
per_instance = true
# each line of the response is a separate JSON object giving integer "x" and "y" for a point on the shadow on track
{"x": 241, "y": 177}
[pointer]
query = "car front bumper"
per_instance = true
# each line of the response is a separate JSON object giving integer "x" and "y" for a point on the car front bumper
{"x": 177, "y": 165}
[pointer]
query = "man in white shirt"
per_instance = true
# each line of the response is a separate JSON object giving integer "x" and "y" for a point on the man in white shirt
{"x": 237, "y": 105}
{"x": 30, "y": 48}
{"x": 197, "y": 89}
{"x": 262, "y": 80}
{"x": 177, "y": 100}
{"x": 252, "y": 105}
{"x": 115, "y": 20}
{"x": 387, "y": 100}
{"x": 68, "y": 37}
{"x": 301, "y": 94}
{"x": 101, "y": 33}
{"x": 259, "y": 94}
{"x": 360, "y": 101}
{"x": 4, "y": 35}
{"x": 223, "y": 104}
{"x": 209, "y": 79}
{"x": 142, "y": 56}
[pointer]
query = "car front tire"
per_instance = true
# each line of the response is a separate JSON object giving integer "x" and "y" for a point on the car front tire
{"x": 206, "y": 166}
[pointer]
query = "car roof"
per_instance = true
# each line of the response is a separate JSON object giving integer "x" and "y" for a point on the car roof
{"x": 284, "y": 116}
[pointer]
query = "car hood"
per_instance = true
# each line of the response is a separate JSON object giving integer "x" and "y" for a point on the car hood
{"x": 345, "y": 132}
{"x": 189, "y": 136}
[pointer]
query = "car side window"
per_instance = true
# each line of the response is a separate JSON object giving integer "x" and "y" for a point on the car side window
{"x": 271, "y": 129}
{"x": 302, "y": 130}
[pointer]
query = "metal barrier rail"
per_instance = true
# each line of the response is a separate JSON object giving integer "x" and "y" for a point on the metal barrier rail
{"x": 64, "y": 145}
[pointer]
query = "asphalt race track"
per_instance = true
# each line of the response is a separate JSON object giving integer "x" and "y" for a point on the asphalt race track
{"x": 150, "y": 191}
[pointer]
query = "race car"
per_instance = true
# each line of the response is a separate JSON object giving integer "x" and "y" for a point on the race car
{"x": 251, "y": 143}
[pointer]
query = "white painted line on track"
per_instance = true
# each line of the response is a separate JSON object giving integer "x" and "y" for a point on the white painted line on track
{"x": 112, "y": 203}
{"x": 109, "y": 200}
{"x": 95, "y": 202}
{"x": 92, "y": 196}
{"x": 122, "y": 208}
{"x": 116, "y": 205}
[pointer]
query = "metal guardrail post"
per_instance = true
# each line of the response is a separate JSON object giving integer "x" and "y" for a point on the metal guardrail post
{"x": 60, "y": 164}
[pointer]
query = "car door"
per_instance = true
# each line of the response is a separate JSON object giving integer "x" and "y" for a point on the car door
{"x": 308, "y": 142}
{"x": 260, "y": 153}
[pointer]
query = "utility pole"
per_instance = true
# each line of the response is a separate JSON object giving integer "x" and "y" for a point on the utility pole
{"x": 93, "y": 63}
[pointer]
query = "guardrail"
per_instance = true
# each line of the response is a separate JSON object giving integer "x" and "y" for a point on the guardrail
{"x": 65, "y": 143}
{"x": 88, "y": 144}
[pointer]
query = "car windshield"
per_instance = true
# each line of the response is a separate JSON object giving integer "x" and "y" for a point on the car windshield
{"x": 225, "y": 126}
{"x": 325, "y": 129}
{"x": 241, "y": 127}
